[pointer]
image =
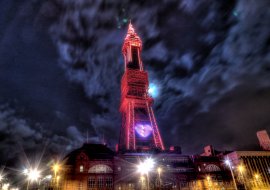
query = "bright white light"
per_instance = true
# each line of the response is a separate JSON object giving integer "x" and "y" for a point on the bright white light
{"x": 146, "y": 166}
{"x": 227, "y": 162}
{"x": 150, "y": 163}
{"x": 5, "y": 186}
{"x": 33, "y": 175}
{"x": 25, "y": 171}
{"x": 153, "y": 90}
{"x": 48, "y": 177}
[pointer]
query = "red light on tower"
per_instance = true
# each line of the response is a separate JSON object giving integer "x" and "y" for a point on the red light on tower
{"x": 139, "y": 129}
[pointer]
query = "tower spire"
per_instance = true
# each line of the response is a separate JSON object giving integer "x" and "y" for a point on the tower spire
{"x": 139, "y": 131}
{"x": 130, "y": 28}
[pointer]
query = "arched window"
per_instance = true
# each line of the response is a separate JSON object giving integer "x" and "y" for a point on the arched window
{"x": 100, "y": 168}
{"x": 212, "y": 168}
{"x": 82, "y": 157}
{"x": 81, "y": 168}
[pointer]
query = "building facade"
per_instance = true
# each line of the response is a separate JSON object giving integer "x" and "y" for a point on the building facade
{"x": 251, "y": 168}
{"x": 264, "y": 139}
{"x": 89, "y": 168}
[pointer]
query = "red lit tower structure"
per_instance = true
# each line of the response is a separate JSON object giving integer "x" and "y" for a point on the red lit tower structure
{"x": 139, "y": 131}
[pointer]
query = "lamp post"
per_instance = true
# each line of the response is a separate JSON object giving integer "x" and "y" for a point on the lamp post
{"x": 228, "y": 163}
{"x": 5, "y": 186}
{"x": 145, "y": 167}
{"x": 159, "y": 170}
{"x": 257, "y": 180}
{"x": 56, "y": 168}
{"x": 208, "y": 178}
{"x": 32, "y": 175}
{"x": 241, "y": 170}
{"x": 142, "y": 181}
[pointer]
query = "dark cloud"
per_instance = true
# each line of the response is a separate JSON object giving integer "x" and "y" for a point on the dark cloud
{"x": 196, "y": 51}
{"x": 41, "y": 100}
{"x": 20, "y": 136}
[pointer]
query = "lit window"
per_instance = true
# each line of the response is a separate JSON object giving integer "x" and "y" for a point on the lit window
{"x": 109, "y": 182}
{"x": 100, "y": 168}
{"x": 212, "y": 168}
{"x": 100, "y": 182}
{"x": 81, "y": 168}
{"x": 80, "y": 186}
{"x": 91, "y": 183}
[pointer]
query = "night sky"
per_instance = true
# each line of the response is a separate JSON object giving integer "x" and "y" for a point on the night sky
{"x": 61, "y": 65}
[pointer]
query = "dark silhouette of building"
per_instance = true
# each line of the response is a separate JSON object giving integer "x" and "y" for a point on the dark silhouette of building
{"x": 89, "y": 167}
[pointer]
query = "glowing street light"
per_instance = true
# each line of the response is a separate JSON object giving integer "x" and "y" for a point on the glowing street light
{"x": 241, "y": 170}
{"x": 25, "y": 171}
{"x": 159, "y": 170}
{"x": 257, "y": 179}
{"x": 5, "y": 186}
{"x": 142, "y": 181}
{"x": 228, "y": 163}
{"x": 145, "y": 167}
{"x": 56, "y": 168}
{"x": 32, "y": 174}
{"x": 257, "y": 176}
{"x": 14, "y": 188}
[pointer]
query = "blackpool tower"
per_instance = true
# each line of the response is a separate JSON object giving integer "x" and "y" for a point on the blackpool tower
{"x": 139, "y": 131}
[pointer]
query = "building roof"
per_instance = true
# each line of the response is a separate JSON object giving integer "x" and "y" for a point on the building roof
{"x": 249, "y": 153}
{"x": 92, "y": 151}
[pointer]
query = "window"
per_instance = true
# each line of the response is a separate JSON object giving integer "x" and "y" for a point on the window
{"x": 91, "y": 183}
{"x": 80, "y": 186}
{"x": 100, "y": 168}
{"x": 100, "y": 182}
{"x": 134, "y": 64}
{"x": 212, "y": 168}
{"x": 81, "y": 168}
{"x": 109, "y": 182}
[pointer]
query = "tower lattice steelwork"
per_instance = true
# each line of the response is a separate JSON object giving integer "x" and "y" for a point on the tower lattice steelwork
{"x": 139, "y": 131}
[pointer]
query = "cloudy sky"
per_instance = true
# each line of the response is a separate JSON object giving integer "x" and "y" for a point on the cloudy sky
{"x": 61, "y": 65}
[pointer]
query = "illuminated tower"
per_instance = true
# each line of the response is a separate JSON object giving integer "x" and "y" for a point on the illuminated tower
{"x": 139, "y": 131}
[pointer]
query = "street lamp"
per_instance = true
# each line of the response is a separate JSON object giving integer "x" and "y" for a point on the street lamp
{"x": 145, "y": 167}
{"x": 5, "y": 186}
{"x": 208, "y": 178}
{"x": 159, "y": 170}
{"x": 241, "y": 170}
{"x": 257, "y": 179}
{"x": 228, "y": 163}
{"x": 56, "y": 168}
{"x": 32, "y": 174}
{"x": 142, "y": 181}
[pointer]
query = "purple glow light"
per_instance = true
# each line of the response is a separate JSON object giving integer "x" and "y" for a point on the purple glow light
{"x": 144, "y": 130}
